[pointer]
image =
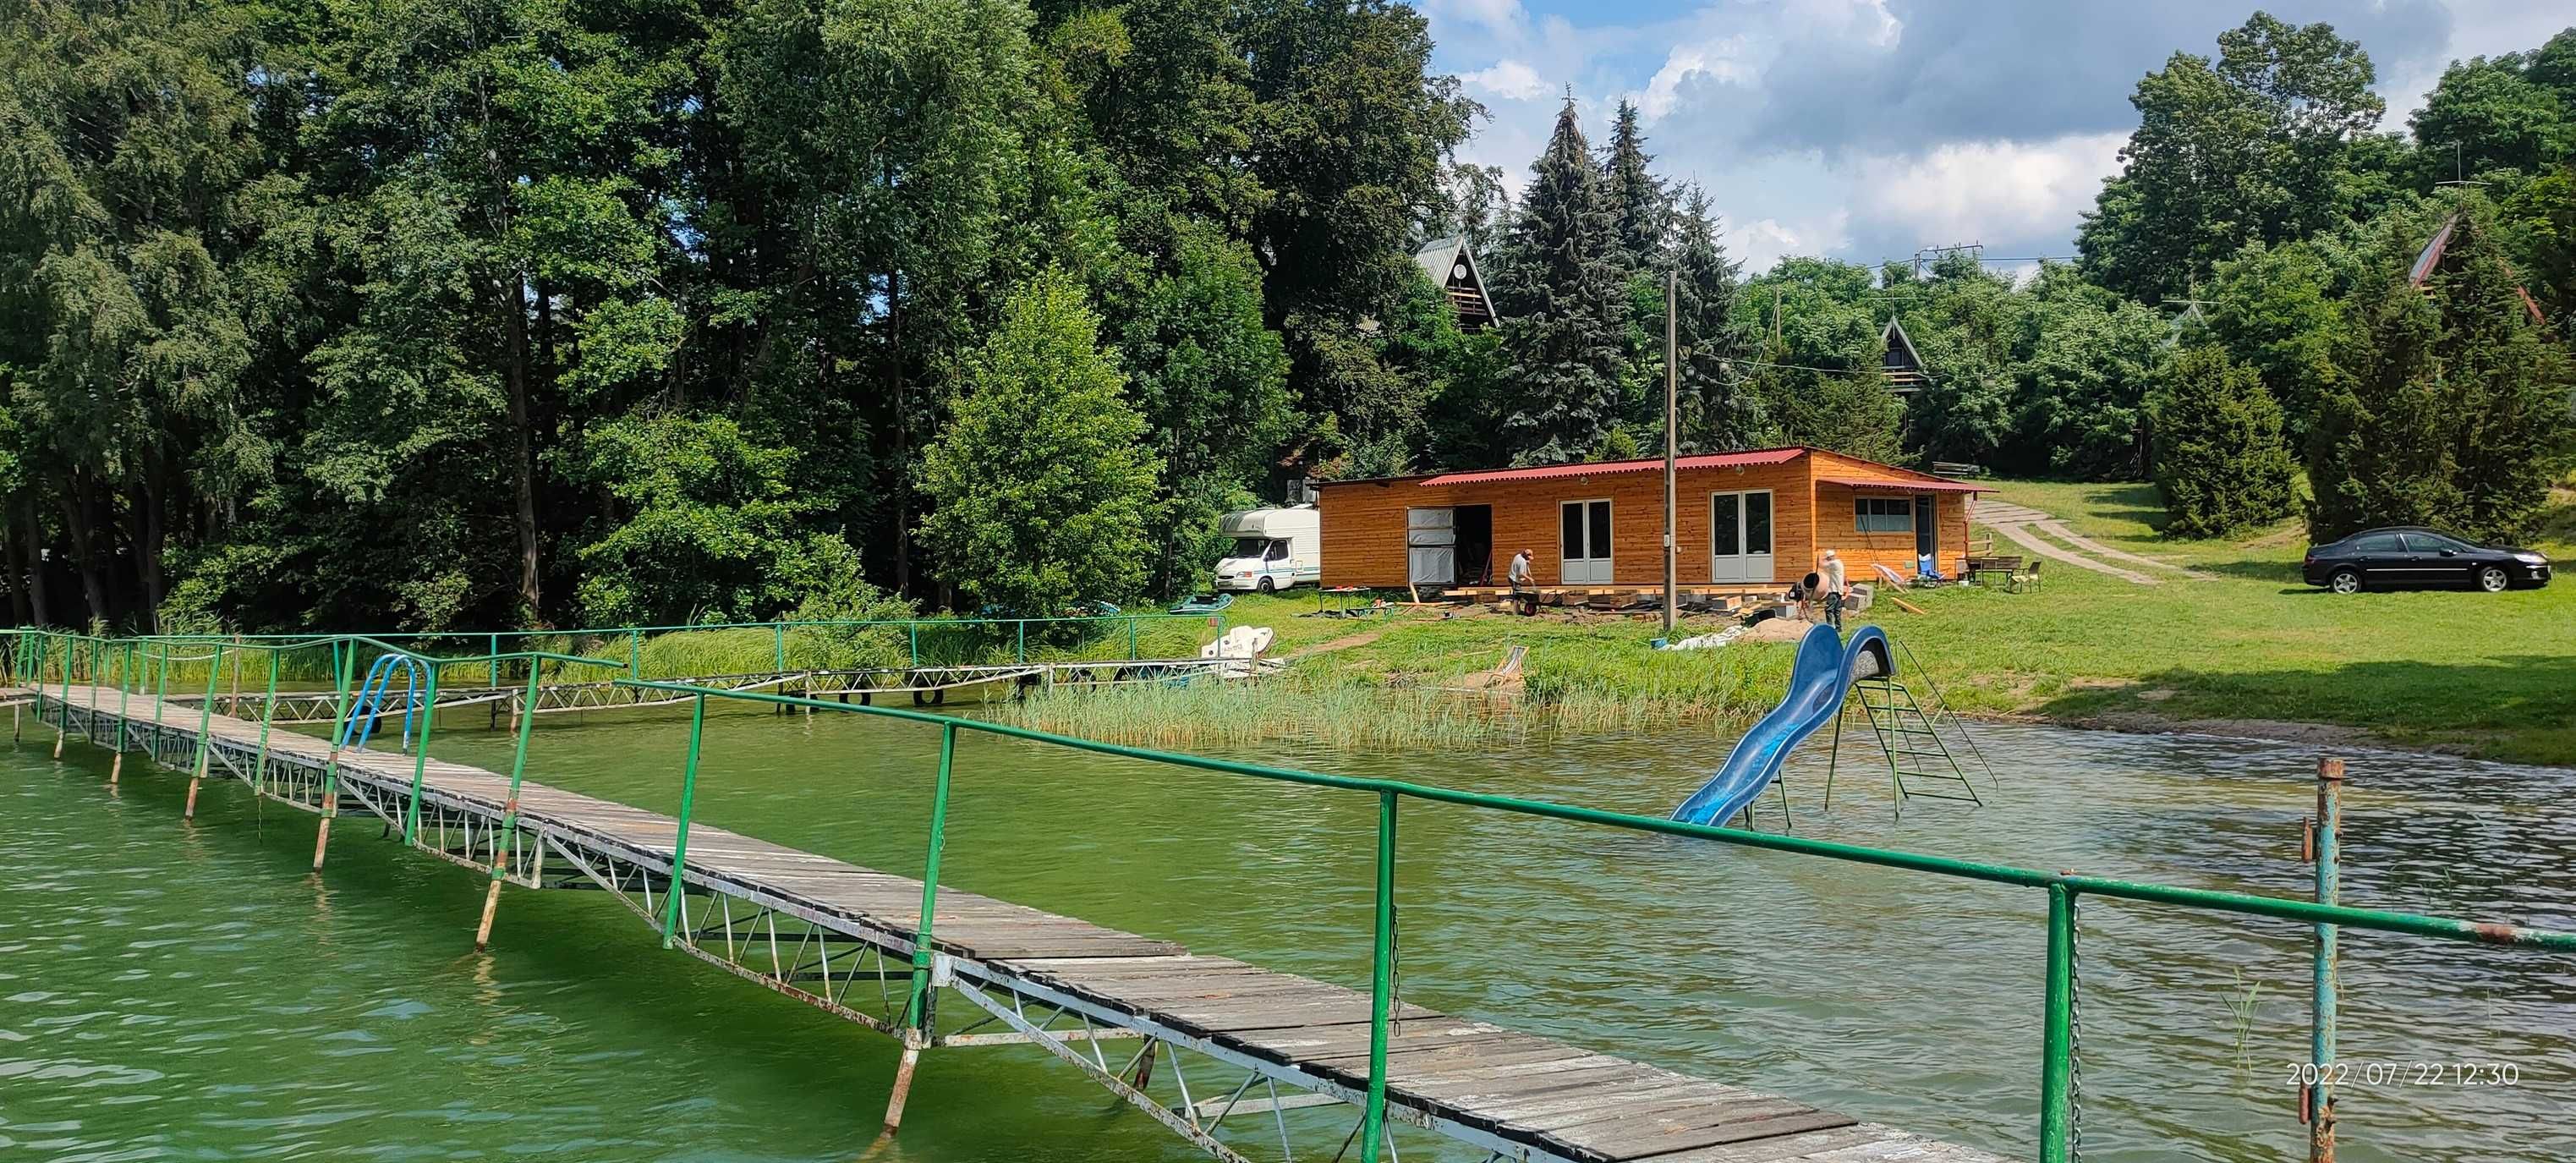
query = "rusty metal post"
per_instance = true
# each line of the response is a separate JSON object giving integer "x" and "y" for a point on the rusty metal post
{"x": 346, "y": 653}
{"x": 205, "y": 731}
{"x": 2326, "y": 849}
{"x": 506, "y": 846}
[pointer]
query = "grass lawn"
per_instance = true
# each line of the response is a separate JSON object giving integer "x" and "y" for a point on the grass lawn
{"x": 2492, "y": 675}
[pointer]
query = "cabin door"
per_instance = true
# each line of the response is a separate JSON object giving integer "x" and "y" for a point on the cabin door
{"x": 1585, "y": 539}
{"x": 1430, "y": 547}
{"x": 1739, "y": 541}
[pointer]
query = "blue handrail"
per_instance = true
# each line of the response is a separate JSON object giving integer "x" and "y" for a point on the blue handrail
{"x": 370, "y": 704}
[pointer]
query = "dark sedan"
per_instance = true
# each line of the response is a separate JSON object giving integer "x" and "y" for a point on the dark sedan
{"x": 2409, "y": 556}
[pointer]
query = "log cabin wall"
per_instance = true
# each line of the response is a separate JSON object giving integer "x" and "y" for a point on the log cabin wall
{"x": 1364, "y": 522}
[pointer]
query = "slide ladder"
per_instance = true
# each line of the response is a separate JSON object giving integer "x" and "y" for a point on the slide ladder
{"x": 370, "y": 704}
{"x": 1913, "y": 744}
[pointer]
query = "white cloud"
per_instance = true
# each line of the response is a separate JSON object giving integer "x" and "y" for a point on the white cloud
{"x": 1500, "y": 16}
{"x": 1508, "y": 79}
{"x": 1764, "y": 242}
{"x": 1990, "y": 190}
{"x": 1865, "y": 20}
{"x": 1722, "y": 60}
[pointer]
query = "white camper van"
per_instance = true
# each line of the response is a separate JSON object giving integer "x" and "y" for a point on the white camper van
{"x": 1273, "y": 549}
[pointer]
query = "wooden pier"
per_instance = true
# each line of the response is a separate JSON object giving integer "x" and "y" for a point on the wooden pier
{"x": 842, "y": 938}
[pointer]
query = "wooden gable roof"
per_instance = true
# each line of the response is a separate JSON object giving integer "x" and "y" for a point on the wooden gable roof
{"x": 1903, "y": 366}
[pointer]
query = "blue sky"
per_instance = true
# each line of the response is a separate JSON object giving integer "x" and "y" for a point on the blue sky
{"x": 1863, "y": 129}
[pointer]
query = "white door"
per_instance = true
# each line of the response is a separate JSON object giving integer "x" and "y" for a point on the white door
{"x": 1585, "y": 539}
{"x": 1739, "y": 541}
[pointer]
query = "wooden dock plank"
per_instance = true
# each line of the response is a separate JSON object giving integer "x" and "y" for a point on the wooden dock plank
{"x": 1557, "y": 1098}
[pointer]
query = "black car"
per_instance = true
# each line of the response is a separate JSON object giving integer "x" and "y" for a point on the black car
{"x": 2410, "y": 556}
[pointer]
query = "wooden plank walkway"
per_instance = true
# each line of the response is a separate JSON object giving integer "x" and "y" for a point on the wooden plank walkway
{"x": 1515, "y": 1094}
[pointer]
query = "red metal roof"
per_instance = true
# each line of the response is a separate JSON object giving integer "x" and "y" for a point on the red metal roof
{"x": 1916, "y": 485}
{"x": 1606, "y": 467}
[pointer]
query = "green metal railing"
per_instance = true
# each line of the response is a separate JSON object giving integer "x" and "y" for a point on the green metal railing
{"x": 39, "y": 660}
{"x": 1015, "y": 634}
{"x": 2063, "y": 889}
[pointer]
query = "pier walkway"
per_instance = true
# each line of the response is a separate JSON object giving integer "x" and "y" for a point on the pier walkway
{"x": 844, "y": 938}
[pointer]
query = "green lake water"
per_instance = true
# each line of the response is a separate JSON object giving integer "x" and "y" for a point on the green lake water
{"x": 191, "y": 992}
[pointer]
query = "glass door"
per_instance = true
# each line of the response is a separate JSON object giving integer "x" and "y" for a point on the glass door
{"x": 1739, "y": 542}
{"x": 1585, "y": 539}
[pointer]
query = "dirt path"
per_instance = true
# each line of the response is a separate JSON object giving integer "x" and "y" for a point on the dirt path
{"x": 1344, "y": 642}
{"x": 2021, "y": 535}
{"x": 2058, "y": 529}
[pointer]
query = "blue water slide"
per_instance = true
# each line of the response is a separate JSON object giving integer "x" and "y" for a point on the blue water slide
{"x": 1825, "y": 669}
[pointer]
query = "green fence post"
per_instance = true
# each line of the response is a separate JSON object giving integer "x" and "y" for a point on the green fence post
{"x": 2057, "y": 1030}
{"x": 420, "y": 758}
{"x": 124, "y": 700}
{"x": 494, "y": 649}
{"x": 507, "y": 845}
{"x": 1381, "y": 980}
{"x": 1131, "y": 639}
{"x": 1020, "y": 652}
{"x": 915, "y": 629}
{"x": 672, "y": 892}
{"x": 343, "y": 660}
{"x": 916, "y": 1011}
{"x": 205, "y": 731}
{"x": 779, "y": 629}
{"x": 634, "y": 654}
{"x": 259, "y": 769}
{"x": 2327, "y": 848}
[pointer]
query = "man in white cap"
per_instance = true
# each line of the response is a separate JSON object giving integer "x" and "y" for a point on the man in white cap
{"x": 1829, "y": 580}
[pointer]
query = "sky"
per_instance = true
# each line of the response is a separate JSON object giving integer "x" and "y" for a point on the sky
{"x": 1865, "y": 129}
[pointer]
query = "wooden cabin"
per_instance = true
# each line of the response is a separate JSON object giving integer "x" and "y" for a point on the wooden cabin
{"x": 1451, "y": 264}
{"x": 1746, "y": 520}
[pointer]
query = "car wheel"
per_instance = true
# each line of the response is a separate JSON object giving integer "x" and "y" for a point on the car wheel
{"x": 1267, "y": 586}
{"x": 2493, "y": 579}
{"x": 2344, "y": 581}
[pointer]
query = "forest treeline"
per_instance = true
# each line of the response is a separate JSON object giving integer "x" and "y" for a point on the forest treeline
{"x": 456, "y": 315}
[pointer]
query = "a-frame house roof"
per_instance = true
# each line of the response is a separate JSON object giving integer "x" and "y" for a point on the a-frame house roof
{"x": 2429, "y": 260}
{"x": 1451, "y": 263}
{"x": 1903, "y": 366}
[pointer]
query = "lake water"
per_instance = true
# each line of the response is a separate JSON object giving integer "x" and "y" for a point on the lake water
{"x": 178, "y": 991}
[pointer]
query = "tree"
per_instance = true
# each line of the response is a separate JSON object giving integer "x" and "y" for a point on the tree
{"x": 1641, "y": 209}
{"x": 2251, "y": 147}
{"x": 1563, "y": 306}
{"x": 706, "y": 525}
{"x": 2079, "y": 403}
{"x": 2273, "y": 309}
{"x": 1043, "y": 494}
{"x": 2490, "y": 114}
{"x": 2221, "y": 461}
{"x": 2449, "y": 406}
{"x": 1720, "y": 411}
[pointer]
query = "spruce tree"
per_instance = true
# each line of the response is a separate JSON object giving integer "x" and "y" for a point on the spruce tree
{"x": 1641, "y": 208}
{"x": 1564, "y": 307}
{"x": 2448, "y": 405}
{"x": 2220, "y": 459}
{"x": 1719, "y": 409}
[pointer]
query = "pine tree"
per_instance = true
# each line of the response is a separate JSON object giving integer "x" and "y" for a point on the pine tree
{"x": 2220, "y": 459}
{"x": 2448, "y": 406}
{"x": 1719, "y": 409}
{"x": 1564, "y": 306}
{"x": 1641, "y": 208}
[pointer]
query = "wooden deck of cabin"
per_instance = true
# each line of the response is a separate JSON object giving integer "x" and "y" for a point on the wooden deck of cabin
{"x": 1512, "y": 1095}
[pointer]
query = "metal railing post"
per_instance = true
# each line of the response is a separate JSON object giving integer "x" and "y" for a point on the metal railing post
{"x": 1021, "y": 651}
{"x": 917, "y": 1009}
{"x": 2057, "y": 1029}
{"x": 205, "y": 731}
{"x": 268, "y": 712}
{"x": 1131, "y": 639}
{"x": 506, "y": 845}
{"x": 634, "y": 654}
{"x": 420, "y": 756}
{"x": 779, "y": 649}
{"x": 914, "y": 631}
{"x": 2318, "y": 1112}
{"x": 677, "y": 888}
{"x": 1381, "y": 981}
{"x": 344, "y": 657}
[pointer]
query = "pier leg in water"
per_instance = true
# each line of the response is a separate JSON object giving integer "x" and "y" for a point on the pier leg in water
{"x": 330, "y": 808}
{"x": 902, "y": 1084}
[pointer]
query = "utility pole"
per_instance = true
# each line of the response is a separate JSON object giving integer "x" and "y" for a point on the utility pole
{"x": 1672, "y": 442}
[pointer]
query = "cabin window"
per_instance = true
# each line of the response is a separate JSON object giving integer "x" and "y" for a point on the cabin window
{"x": 1883, "y": 514}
